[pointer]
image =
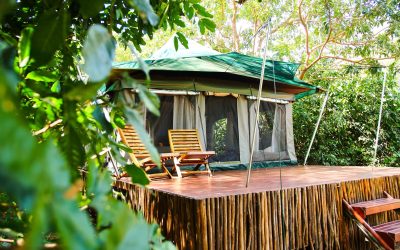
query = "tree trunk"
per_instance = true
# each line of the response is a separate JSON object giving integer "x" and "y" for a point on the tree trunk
{"x": 234, "y": 30}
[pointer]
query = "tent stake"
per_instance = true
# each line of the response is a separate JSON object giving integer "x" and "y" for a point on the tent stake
{"x": 316, "y": 126}
{"x": 379, "y": 118}
{"x": 260, "y": 86}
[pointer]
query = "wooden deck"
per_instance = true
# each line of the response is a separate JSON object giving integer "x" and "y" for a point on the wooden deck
{"x": 304, "y": 211}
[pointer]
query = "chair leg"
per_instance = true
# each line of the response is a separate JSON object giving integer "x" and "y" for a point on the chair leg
{"x": 208, "y": 169}
{"x": 197, "y": 167}
{"x": 165, "y": 170}
{"x": 177, "y": 168}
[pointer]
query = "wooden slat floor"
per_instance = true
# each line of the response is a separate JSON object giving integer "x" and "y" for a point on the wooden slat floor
{"x": 225, "y": 183}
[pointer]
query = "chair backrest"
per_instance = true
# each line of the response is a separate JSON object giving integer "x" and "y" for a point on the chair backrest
{"x": 184, "y": 140}
{"x": 130, "y": 138}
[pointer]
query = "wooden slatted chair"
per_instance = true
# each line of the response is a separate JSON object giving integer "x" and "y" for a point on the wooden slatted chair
{"x": 186, "y": 142}
{"x": 386, "y": 235}
{"x": 141, "y": 157}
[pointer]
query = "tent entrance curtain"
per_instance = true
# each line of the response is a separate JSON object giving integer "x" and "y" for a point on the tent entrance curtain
{"x": 158, "y": 126}
{"x": 222, "y": 133}
{"x": 271, "y": 139}
{"x": 184, "y": 112}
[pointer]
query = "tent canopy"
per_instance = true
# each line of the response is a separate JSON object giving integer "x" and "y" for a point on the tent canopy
{"x": 202, "y": 69}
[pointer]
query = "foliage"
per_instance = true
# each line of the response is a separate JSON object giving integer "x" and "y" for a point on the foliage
{"x": 347, "y": 131}
{"x": 220, "y": 134}
{"x": 54, "y": 57}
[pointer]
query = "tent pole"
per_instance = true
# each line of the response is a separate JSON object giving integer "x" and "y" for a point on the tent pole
{"x": 316, "y": 126}
{"x": 260, "y": 86}
{"x": 379, "y": 118}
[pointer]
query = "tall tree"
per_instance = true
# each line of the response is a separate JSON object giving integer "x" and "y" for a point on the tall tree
{"x": 235, "y": 36}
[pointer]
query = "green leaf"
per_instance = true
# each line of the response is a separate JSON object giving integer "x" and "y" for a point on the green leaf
{"x": 201, "y": 27}
{"x": 189, "y": 10}
{"x": 8, "y": 39}
{"x": 202, "y": 11}
{"x": 137, "y": 174}
{"x": 98, "y": 114}
{"x": 119, "y": 120}
{"x": 42, "y": 76}
{"x": 98, "y": 183}
{"x": 176, "y": 45}
{"x": 180, "y": 23}
{"x": 90, "y": 8}
{"x": 144, "y": 6}
{"x": 49, "y": 35}
{"x": 73, "y": 226}
{"x": 131, "y": 231}
{"x": 142, "y": 64}
{"x": 83, "y": 92}
{"x": 208, "y": 23}
{"x": 8, "y": 76}
{"x": 56, "y": 88}
{"x": 183, "y": 40}
{"x": 150, "y": 100}
{"x": 24, "y": 46}
{"x": 71, "y": 143}
{"x": 98, "y": 52}
{"x": 118, "y": 14}
{"x": 135, "y": 119}
{"x": 190, "y": 13}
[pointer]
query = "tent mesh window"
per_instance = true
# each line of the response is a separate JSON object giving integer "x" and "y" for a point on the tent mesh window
{"x": 266, "y": 124}
{"x": 222, "y": 133}
{"x": 271, "y": 131}
{"x": 158, "y": 126}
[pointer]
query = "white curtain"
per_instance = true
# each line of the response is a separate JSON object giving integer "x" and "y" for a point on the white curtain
{"x": 279, "y": 129}
{"x": 184, "y": 113}
{"x": 243, "y": 127}
{"x": 200, "y": 111}
{"x": 252, "y": 117}
{"x": 289, "y": 133}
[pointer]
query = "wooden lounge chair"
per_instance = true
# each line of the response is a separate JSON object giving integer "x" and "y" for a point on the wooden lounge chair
{"x": 186, "y": 142}
{"x": 387, "y": 235}
{"x": 141, "y": 157}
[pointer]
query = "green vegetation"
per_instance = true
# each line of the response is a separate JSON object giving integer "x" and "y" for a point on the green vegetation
{"x": 54, "y": 56}
{"x": 348, "y": 129}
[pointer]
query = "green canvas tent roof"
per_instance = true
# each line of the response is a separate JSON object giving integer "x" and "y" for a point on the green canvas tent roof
{"x": 227, "y": 73}
{"x": 194, "y": 49}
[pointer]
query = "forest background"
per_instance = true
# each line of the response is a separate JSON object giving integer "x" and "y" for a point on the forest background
{"x": 51, "y": 114}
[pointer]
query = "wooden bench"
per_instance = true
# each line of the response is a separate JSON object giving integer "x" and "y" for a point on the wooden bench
{"x": 385, "y": 235}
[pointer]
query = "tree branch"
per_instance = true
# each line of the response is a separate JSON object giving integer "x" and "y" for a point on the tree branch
{"x": 304, "y": 24}
{"x": 288, "y": 21}
{"x": 47, "y": 127}
{"x": 322, "y": 47}
{"x": 356, "y": 61}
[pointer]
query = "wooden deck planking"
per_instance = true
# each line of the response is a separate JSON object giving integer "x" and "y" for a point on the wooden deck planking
{"x": 268, "y": 179}
{"x": 201, "y": 212}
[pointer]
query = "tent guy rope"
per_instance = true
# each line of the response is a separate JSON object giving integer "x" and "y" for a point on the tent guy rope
{"x": 321, "y": 112}
{"x": 260, "y": 87}
{"x": 379, "y": 118}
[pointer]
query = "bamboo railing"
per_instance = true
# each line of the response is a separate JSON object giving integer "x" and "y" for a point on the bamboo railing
{"x": 297, "y": 218}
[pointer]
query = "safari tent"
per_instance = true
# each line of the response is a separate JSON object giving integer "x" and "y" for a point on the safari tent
{"x": 200, "y": 88}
